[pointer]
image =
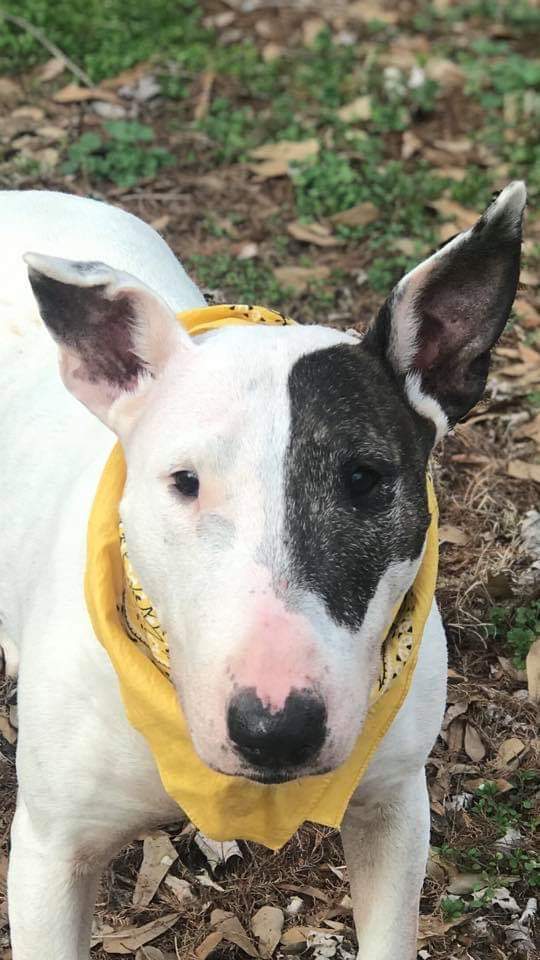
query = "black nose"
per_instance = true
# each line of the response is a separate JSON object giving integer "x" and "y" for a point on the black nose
{"x": 286, "y": 738}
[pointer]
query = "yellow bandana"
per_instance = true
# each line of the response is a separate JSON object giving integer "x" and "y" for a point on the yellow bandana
{"x": 126, "y": 623}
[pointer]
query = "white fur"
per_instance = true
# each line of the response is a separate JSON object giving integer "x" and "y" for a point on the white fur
{"x": 87, "y": 782}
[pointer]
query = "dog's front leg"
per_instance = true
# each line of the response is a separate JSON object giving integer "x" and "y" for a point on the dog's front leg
{"x": 386, "y": 844}
{"x": 51, "y": 896}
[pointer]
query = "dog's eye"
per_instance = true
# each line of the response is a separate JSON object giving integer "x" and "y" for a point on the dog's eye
{"x": 359, "y": 481}
{"x": 187, "y": 483}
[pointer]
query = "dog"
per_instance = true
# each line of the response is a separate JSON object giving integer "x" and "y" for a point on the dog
{"x": 275, "y": 509}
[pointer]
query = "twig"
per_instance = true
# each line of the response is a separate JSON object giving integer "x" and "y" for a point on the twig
{"x": 45, "y": 42}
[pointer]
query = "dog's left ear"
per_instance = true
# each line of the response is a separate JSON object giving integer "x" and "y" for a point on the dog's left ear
{"x": 441, "y": 321}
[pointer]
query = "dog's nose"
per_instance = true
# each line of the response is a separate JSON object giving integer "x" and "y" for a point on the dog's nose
{"x": 275, "y": 739}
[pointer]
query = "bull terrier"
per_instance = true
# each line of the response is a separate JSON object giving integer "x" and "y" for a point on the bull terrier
{"x": 274, "y": 507}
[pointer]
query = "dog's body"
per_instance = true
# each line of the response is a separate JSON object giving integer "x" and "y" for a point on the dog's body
{"x": 87, "y": 780}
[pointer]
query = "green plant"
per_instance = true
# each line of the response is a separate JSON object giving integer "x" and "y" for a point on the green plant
{"x": 453, "y": 907}
{"x": 233, "y": 131}
{"x": 245, "y": 280}
{"x": 518, "y": 627}
{"x": 125, "y": 156}
{"x": 103, "y": 38}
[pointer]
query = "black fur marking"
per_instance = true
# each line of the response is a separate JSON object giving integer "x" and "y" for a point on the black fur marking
{"x": 346, "y": 403}
{"x": 97, "y": 329}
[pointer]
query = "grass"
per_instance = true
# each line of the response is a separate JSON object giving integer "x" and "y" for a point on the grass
{"x": 234, "y": 277}
{"x": 124, "y": 156}
{"x": 103, "y": 38}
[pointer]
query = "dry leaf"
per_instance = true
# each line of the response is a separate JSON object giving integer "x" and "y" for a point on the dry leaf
{"x": 431, "y": 927}
{"x": 464, "y": 883}
{"x": 450, "y": 534}
{"x": 313, "y": 233}
{"x": 203, "y": 101}
{"x": 453, "y": 146}
{"x": 533, "y": 671}
{"x": 445, "y": 72}
{"x": 311, "y": 28}
{"x": 160, "y": 223}
{"x": 461, "y": 216}
{"x": 272, "y": 51}
{"x": 528, "y": 316}
{"x": 455, "y": 710}
{"x": 308, "y": 891}
{"x": 231, "y": 929}
{"x": 509, "y": 750}
{"x": 158, "y": 858}
{"x": 129, "y": 939}
{"x": 73, "y": 93}
{"x": 410, "y": 144}
{"x": 181, "y": 889}
{"x": 149, "y": 953}
{"x": 474, "y": 747}
{"x": 522, "y": 470}
{"x": 454, "y": 736}
{"x": 368, "y": 11}
{"x": 501, "y": 785}
{"x": 52, "y": 69}
{"x": 217, "y": 851}
{"x": 359, "y": 109}
{"x": 208, "y": 945}
{"x": 247, "y": 251}
{"x": 358, "y": 216}
{"x": 299, "y": 278}
{"x": 267, "y": 925}
{"x": 6, "y": 730}
{"x": 276, "y": 157}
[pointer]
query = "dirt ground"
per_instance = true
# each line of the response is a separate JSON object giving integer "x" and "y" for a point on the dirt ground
{"x": 409, "y": 115}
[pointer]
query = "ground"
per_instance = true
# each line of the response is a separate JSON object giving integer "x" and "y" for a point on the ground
{"x": 304, "y": 161}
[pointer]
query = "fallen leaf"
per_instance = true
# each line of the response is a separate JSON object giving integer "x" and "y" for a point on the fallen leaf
{"x": 367, "y": 11}
{"x": 272, "y": 51}
{"x": 247, "y": 251}
{"x": 299, "y": 278}
{"x": 158, "y": 858}
{"x": 149, "y": 953}
{"x": 308, "y": 891}
{"x": 500, "y": 784}
{"x": 52, "y": 69}
{"x": 461, "y": 216}
{"x": 455, "y": 710}
{"x": 522, "y": 470}
{"x": 455, "y": 145}
{"x": 530, "y": 429}
{"x": 509, "y": 750}
{"x": 359, "y": 109}
{"x": 464, "y": 883}
{"x": 160, "y": 223}
{"x": 450, "y": 534}
{"x": 276, "y": 157}
{"x": 474, "y": 747}
{"x": 208, "y": 945}
{"x": 216, "y": 851}
{"x": 73, "y": 93}
{"x": 181, "y": 889}
{"x": 311, "y": 28}
{"x": 528, "y": 316}
{"x": 231, "y": 929}
{"x": 203, "y": 101}
{"x": 429, "y": 928}
{"x": 454, "y": 736}
{"x": 410, "y": 144}
{"x": 315, "y": 233}
{"x": 358, "y": 216}
{"x": 129, "y": 939}
{"x": 445, "y": 72}
{"x": 29, "y": 113}
{"x": 7, "y": 731}
{"x": 533, "y": 671}
{"x": 267, "y": 925}
{"x": 9, "y": 91}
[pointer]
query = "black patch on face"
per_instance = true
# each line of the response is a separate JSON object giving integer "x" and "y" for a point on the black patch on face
{"x": 347, "y": 408}
{"x": 99, "y": 330}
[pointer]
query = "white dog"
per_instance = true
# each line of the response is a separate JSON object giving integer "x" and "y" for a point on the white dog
{"x": 275, "y": 510}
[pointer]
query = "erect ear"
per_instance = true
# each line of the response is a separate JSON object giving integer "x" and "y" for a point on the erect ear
{"x": 439, "y": 324}
{"x": 115, "y": 334}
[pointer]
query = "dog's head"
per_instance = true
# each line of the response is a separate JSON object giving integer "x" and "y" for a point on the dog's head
{"x": 275, "y": 507}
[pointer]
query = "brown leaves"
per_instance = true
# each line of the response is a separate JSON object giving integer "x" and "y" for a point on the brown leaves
{"x": 228, "y": 928}
{"x": 522, "y": 470}
{"x": 451, "y": 534}
{"x": 473, "y": 745}
{"x": 315, "y": 233}
{"x": 275, "y": 158}
{"x": 128, "y": 939}
{"x": 509, "y": 750}
{"x": 299, "y": 278}
{"x": 533, "y": 671}
{"x": 358, "y": 216}
{"x": 73, "y": 93}
{"x": 267, "y": 926}
{"x": 158, "y": 857}
{"x": 357, "y": 110}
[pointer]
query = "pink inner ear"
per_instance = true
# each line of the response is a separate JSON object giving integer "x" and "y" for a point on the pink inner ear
{"x": 96, "y": 393}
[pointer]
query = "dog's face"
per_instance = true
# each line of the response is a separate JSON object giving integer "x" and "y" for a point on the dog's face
{"x": 275, "y": 507}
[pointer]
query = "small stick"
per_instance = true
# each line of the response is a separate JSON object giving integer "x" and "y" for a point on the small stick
{"x": 45, "y": 42}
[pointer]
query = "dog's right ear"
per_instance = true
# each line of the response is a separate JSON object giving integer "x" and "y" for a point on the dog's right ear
{"x": 438, "y": 326}
{"x": 115, "y": 334}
